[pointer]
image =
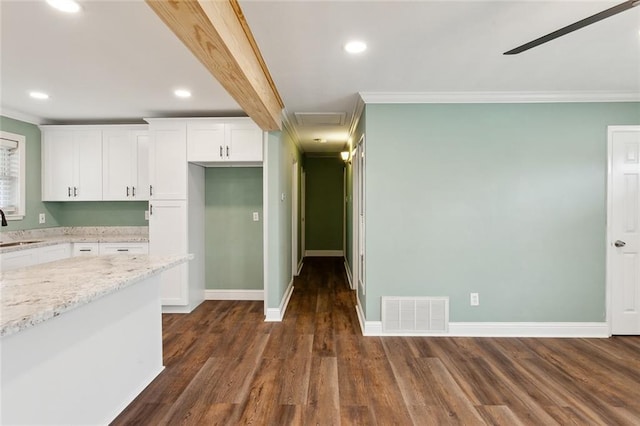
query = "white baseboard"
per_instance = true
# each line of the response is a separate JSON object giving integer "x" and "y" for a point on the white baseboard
{"x": 276, "y": 314}
{"x": 324, "y": 253}
{"x": 300, "y": 265}
{"x": 233, "y": 294}
{"x": 500, "y": 329}
{"x": 349, "y": 276}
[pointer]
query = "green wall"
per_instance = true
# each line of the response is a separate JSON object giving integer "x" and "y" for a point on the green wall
{"x": 233, "y": 249}
{"x": 280, "y": 153}
{"x": 33, "y": 205}
{"x": 324, "y": 204}
{"x": 98, "y": 213}
{"x": 505, "y": 200}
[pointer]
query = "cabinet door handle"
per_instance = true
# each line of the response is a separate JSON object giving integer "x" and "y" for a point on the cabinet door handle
{"x": 220, "y": 151}
{"x": 85, "y": 249}
{"x": 150, "y": 190}
{"x": 127, "y": 191}
{"x": 150, "y": 209}
{"x": 133, "y": 191}
{"x": 227, "y": 151}
{"x": 75, "y": 191}
{"x": 68, "y": 191}
{"x": 123, "y": 249}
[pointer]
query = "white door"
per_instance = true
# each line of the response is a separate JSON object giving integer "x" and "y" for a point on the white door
{"x": 623, "y": 231}
{"x": 205, "y": 141}
{"x": 168, "y": 236}
{"x": 168, "y": 160}
{"x": 141, "y": 166}
{"x": 361, "y": 216}
{"x": 244, "y": 142}
{"x": 294, "y": 219}
{"x": 57, "y": 161}
{"x": 116, "y": 165}
{"x": 88, "y": 163}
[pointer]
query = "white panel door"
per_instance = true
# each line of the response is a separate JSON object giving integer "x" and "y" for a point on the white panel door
{"x": 140, "y": 189}
{"x": 624, "y": 229}
{"x": 205, "y": 141}
{"x": 244, "y": 142}
{"x": 57, "y": 166}
{"x": 167, "y": 236}
{"x": 117, "y": 165}
{"x": 168, "y": 160}
{"x": 88, "y": 163}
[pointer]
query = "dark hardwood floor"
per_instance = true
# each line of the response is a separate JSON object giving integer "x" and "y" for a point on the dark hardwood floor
{"x": 226, "y": 366}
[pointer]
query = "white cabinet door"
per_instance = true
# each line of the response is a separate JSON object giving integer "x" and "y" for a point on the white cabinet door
{"x": 57, "y": 166}
{"x": 124, "y": 248}
{"x": 18, "y": 259}
{"x": 85, "y": 249}
{"x": 72, "y": 165}
{"x": 206, "y": 141}
{"x": 117, "y": 164}
{"x": 244, "y": 141}
{"x": 167, "y": 236}
{"x": 53, "y": 253}
{"x": 125, "y": 162}
{"x": 140, "y": 190}
{"x": 88, "y": 165}
{"x": 168, "y": 160}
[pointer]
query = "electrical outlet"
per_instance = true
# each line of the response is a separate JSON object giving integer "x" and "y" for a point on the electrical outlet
{"x": 41, "y": 218}
{"x": 256, "y": 216}
{"x": 474, "y": 299}
{"x": 146, "y": 215}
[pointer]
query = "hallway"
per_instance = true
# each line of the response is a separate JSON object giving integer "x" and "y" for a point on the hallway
{"x": 225, "y": 366}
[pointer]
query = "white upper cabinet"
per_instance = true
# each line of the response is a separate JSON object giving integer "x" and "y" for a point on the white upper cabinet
{"x": 167, "y": 159}
{"x": 125, "y": 159}
{"x": 212, "y": 142}
{"x": 71, "y": 164}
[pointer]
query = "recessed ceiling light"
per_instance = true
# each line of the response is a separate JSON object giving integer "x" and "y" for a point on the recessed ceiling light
{"x": 38, "y": 95}
{"x": 182, "y": 93}
{"x": 355, "y": 46}
{"x": 67, "y": 6}
{"x": 320, "y": 140}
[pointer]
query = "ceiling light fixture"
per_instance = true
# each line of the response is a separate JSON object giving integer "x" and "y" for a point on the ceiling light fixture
{"x": 182, "y": 93}
{"x": 345, "y": 155}
{"x": 320, "y": 140}
{"x": 67, "y": 6}
{"x": 355, "y": 47}
{"x": 38, "y": 95}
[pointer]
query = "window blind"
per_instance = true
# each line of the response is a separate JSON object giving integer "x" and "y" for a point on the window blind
{"x": 9, "y": 175}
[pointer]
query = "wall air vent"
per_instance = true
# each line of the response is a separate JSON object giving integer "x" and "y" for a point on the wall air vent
{"x": 320, "y": 118}
{"x": 415, "y": 315}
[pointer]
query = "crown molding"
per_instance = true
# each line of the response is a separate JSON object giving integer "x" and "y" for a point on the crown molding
{"x": 494, "y": 97}
{"x": 289, "y": 127}
{"x": 355, "y": 118}
{"x": 17, "y": 115}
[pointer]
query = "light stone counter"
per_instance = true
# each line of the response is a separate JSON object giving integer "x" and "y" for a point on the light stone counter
{"x": 33, "y": 295}
{"x": 86, "y": 234}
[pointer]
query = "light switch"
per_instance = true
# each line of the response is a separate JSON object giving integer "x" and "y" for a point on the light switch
{"x": 42, "y": 218}
{"x": 256, "y": 216}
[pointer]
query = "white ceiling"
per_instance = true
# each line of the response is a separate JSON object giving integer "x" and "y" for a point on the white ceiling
{"x": 117, "y": 62}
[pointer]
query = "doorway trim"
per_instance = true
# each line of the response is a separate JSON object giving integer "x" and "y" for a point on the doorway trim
{"x": 295, "y": 262}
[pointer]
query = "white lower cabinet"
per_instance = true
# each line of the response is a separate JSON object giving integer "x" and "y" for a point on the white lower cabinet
{"x": 34, "y": 256}
{"x": 168, "y": 236}
{"x": 123, "y": 248}
{"x": 85, "y": 249}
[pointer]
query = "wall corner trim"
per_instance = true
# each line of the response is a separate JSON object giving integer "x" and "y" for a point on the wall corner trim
{"x": 210, "y": 294}
{"x": 277, "y": 314}
{"x": 494, "y": 97}
{"x": 500, "y": 329}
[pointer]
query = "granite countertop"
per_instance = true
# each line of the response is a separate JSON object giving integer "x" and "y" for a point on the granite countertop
{"x": 29, "y": 296}
{"x": 96, "y": 234}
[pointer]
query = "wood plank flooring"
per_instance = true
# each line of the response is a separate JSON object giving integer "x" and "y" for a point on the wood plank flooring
{"x": 226, "y": 366}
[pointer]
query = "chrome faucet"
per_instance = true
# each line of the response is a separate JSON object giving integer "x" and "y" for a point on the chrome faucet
{"x": 4, "y": 218}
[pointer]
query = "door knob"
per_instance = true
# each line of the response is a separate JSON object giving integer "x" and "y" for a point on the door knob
{"x": 619, "y": 243}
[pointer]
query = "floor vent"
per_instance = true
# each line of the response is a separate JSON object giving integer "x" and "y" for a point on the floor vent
{"x": 415, "y": 315}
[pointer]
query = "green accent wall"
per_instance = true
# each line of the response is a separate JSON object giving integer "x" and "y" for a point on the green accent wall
{"x": 33, "y": 190}
{"x": 280, "y": 153}
{"x": 95, "y": 213}
{"x": 233, "y": 250}
{"x": 506, "y": 200}
{"x": 324, "y": 204}
{"x": 100, "y": 213}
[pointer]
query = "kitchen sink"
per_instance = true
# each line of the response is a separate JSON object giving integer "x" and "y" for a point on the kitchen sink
{"x": 18, "y": 243}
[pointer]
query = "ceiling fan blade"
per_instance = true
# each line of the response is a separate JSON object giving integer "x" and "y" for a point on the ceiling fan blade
{"x": 575, "y": 26}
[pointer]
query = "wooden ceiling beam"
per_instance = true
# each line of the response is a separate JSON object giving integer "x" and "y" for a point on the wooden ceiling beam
{"x": 218, "y": 35}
